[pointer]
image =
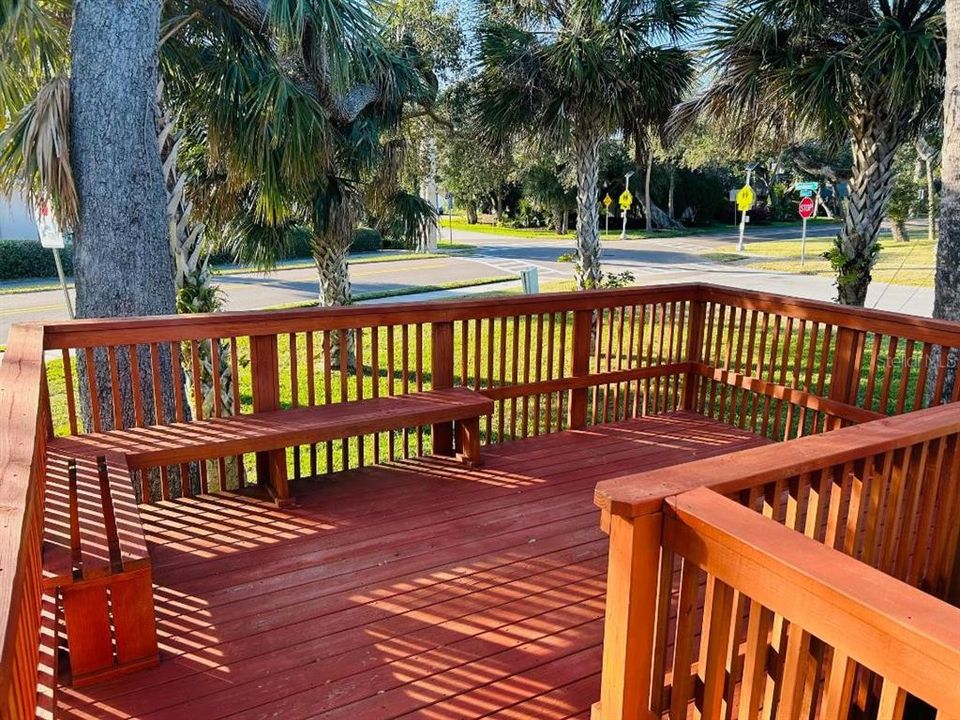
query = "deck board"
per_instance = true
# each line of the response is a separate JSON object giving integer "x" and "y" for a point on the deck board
{"x": 417, "y": 590}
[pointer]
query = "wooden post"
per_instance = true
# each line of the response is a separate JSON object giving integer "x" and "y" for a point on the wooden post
{"x": 265, "y": 375}
{"x": 441, "y": 373}
{"x": 843, "y": 384}
{"x": 580, "y": 360}
{"x": 633, "y": 572}
{"x": 694, "y": 352}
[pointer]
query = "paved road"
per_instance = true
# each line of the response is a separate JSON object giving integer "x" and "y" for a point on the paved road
{"x": 661, "y": 260}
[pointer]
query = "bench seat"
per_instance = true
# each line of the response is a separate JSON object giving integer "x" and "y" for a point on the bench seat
{"x": 95, "y": 558}
{"x": 260, "y": 432}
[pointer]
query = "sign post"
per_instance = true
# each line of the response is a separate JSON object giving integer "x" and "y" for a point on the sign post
{"x": 607, "y": 201}
{"x": 626, "y": 200}
{"x": 744, "y": 202}
{"x": 807, "y": 208}
{"x": 51, "y": 237}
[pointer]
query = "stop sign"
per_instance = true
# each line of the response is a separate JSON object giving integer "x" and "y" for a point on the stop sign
{"x": 807, "y": 208}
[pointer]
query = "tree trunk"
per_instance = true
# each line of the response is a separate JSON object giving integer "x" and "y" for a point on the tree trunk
{"x": 946, "y": 302}
{"x": 498, "y": 206}
{"x": 565, "y": 224}
{"x": 647, "y": 204}
{"x": 330, "y": 249}
{"x": 899, "y": 228}
{"x": 586, "y": 150}
{"x": 557, "y": 219}
{"x": 946, "y": 296}
{"x": 122, "y": 260}
{"x": 874, "y": 141}
{"x": 670, "y": 192}
{"x": 427, "y": 242}
{"x": 472, "y": 218}
{"x": 931, "y": 204}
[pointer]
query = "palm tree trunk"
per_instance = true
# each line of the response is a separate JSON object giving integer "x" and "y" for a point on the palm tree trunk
{"x": 946, "y": 302}
{"x": 874, "y": 142}
{"x": 946, "y": 294}
{"x": 330, "y": 249}
{"x": 195, "y": 291}
{"x": 898, "y": 226}
{"x": 122, "y": 259}
{"x": 931, "y": 204}
{"x": 586, "y": 150}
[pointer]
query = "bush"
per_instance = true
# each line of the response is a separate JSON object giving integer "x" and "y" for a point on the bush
{"x": 28, "y": 259}
{"x": 366, "y": 240}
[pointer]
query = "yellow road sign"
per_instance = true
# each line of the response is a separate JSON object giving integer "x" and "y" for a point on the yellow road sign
{"x": 607, "y": 200}
{"x": 626, "y": 200}
{"x": 745, "y": 198}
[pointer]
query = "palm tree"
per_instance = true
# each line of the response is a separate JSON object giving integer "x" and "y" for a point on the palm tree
{"x": 869, "y": 73}
{"x": 292, "y": 142}
{"x": 569, "y": 73}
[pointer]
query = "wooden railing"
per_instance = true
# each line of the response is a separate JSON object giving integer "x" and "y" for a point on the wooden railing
{"x": 24, "y": 416}
{"x": 778, "y": 366}
{"x": 839, "y": 627}
{"x": 885, "y": 495}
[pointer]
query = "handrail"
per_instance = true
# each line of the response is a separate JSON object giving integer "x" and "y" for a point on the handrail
{"x": 632, "y": 496}
{"x": 23, "y": 418}
{"x": 90, "y": 332}
{"x": 909, "y": 638}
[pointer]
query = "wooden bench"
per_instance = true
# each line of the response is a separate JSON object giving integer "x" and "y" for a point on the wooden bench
{"x": 95, "y": 557}
{"x": 270, "y": 433}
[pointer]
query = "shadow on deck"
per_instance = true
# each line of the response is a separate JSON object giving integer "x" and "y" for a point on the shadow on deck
{"x": 418, "y": 589}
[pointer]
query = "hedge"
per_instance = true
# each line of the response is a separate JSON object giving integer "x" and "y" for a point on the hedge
{"x": 28, "y": 259}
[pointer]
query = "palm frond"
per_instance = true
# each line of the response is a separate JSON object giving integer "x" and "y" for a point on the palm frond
{"x": 35, "y": 151}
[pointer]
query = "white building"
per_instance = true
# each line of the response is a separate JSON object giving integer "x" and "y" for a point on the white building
{"x": 16, "y": 219}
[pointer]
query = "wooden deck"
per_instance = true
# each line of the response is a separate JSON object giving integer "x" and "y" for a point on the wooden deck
{"x": 421, "y": 589}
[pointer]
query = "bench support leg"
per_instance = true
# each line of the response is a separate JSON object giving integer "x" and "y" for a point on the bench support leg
{"x": 124, "y": 601}
{"x": 468, "y": 437}
{"x": 272, "y": 474}
{"x": 442, "y": 434}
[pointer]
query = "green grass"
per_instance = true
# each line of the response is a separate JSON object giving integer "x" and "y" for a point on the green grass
{"x": 547, "y": 234}
{"x": 909, "y": 263}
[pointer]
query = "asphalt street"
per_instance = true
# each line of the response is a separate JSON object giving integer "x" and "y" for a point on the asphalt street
{"x": 659, "y": 260}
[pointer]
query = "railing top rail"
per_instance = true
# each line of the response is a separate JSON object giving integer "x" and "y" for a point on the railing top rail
{"x": 169, "y": 328}
{"x": 909, "y": 637}
{"x": 941, "y": 332}
{"x": 643, "y": 493}
{"x": 21, "y": 383}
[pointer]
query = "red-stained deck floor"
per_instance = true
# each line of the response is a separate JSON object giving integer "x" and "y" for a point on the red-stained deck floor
{"x": 420, "y": 589}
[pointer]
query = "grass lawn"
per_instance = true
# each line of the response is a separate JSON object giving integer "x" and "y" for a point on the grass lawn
{"x": 909, "y": 263}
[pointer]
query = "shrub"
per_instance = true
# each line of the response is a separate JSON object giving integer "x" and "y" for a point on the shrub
{"x": 366, "y": 239}
{"x": 29, "y": 259}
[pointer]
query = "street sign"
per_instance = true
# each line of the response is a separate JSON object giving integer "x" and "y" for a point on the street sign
{"x": 52, "y": 237}
{"x": 47, "y": 227}
{"x": 626, "y": 200}
{"x": 807, "y": 208}
{"x": 607, "y": 201}
{"x": 745, "y": 198}
{"x": 808, "y": 188}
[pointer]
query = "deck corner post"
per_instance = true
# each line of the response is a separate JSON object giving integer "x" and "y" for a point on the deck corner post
{"x": 629, "y": 629}
{"x": 694, "y": 352}
{"x": 265, "y": 381}
{"x": 843, "y": 383}
{"x": 580, "y": 367}
{"x": 441, "y": 373}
